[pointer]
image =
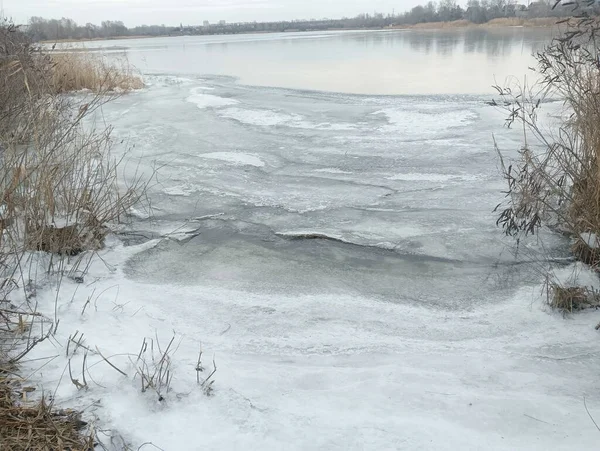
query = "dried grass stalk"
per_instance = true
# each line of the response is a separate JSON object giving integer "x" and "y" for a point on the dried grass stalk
{"x": 59, "y": 193}
{"x": 38, "y": 426}
{"x": 555, "y": 182}
{"x": 76, "y": 71}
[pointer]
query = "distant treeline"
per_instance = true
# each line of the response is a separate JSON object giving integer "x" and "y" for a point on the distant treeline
{"x": 476, "y": 11}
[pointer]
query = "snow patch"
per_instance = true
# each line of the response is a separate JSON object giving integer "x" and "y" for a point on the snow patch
{"x": 272, "y": 118}
{"x": 577, "y": 275}
{"x": 267, "y": 118}
{"x": 335, "y": 127}
{"x": 415, "y": 122}
{"x": 290, "y": 367}
{"x": 242, "y": 159}
{"x": 134, "y": 212}
{"x": 203, "y": 101}
{"x": 181, "y": 190}
{"x": 332, "y": 171}
{"x": 432, "y": 177}
{"x": 166, "y": 80}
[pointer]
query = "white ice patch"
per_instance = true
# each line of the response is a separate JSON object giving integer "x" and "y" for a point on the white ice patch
{"x": 272, "y": 118}
{"x": 242, "y": 159}
{"x": 166, "y": 80}
{"x": 332, "y": 171}
{"x": 577, "y": 275}
{"x": 203, "y": 101}
{"x": 268, "y": 118}
{"x": 335, "y": 127}
{"x": 181, "y": 190}
{"x": 139, "y": 214}
{"x": 414, "y": 122}
{"x": 432, "y": 177}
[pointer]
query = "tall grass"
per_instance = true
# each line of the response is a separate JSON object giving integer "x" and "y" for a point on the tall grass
{"x": 55, "y": 172}
{"x": 59, "y": 194}
{"x": 461, "y": 23}
{"x": 494, "y": 23}
{"x": 76, "y": 71}
{"x": 521, "y": 22}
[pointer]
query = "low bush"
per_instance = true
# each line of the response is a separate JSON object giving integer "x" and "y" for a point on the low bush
{"x": 555, "y": 182}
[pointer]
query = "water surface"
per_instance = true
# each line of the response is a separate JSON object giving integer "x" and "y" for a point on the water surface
{"x": 371, "y": 62}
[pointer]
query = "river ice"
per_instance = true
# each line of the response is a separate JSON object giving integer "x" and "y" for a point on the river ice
{"x": 338, "y": 256}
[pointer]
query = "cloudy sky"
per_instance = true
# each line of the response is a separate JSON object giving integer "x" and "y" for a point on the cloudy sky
{"x": 171, "y": 12}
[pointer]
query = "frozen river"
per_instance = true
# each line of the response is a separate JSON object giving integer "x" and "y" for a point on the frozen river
{"x": 398, "y": 191}
{"x": 330, "y": 200}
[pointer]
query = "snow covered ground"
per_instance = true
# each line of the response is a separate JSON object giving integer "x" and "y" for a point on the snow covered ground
{"x": 325, "y": 371}
{"x": 337, "y": 254}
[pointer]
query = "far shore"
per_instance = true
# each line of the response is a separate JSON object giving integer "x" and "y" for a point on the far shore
{"x": 541, "y": 22}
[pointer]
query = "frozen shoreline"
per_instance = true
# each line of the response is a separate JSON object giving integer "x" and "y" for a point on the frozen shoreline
{"x": 330, "y": 343}
{"x": 326, "y": 372}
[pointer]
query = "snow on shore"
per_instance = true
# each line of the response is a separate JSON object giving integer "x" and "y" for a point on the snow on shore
{"x": 322, "y": 372}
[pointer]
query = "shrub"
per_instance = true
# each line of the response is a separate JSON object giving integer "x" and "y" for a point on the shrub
{"x": 59, "y": 193}
{"x": 555, "y": 182}
{"x": 58, "y": 180}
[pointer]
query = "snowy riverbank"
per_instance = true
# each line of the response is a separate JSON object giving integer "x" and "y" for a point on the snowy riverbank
{"x": 343, "y": 268}
{"x": 321, "y": 371}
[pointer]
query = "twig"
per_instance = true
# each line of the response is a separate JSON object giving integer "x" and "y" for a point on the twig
{"x": 199, "y": 368}
{"x": 75, "y": 382}
{"x": 149, "y": 444}
{"x": 14, "y": 312}
{"x": 590, "y": 415}
{"x": 83, "y": 369}
{"x": 537, "y": 419}
{"x": 204, "y": 384}
{"x": 85, "y": 306}
{"x": 143, "y": 349}
{"x": 107, "y": 361}
{"x": 56, "y": 327}
{"x": 226, "y": 330}
{"x": 51, "y": 359}
{"x": 33, "y": 344}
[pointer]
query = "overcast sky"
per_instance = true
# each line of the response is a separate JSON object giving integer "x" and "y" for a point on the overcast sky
{"x": 190, "y": 12}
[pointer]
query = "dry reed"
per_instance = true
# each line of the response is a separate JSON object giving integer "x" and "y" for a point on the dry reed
{"x": 521, "y": 22}
{"x": 556, "y": 180}
{"x": 494, "y": 23}
{"x": 462, "y": 23}
{"x": 77, "y": 71}
{"x": 38, "y": 426}
{"x": 59, "y": 193}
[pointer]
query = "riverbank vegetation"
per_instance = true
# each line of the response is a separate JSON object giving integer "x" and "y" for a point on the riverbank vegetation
{"x": 555, "y": 181}
{"x": 429, "y": 15}
{"x": 76, "y": 71}
{"x": 540, "y": 22}
{"x": 59, "y": 197}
